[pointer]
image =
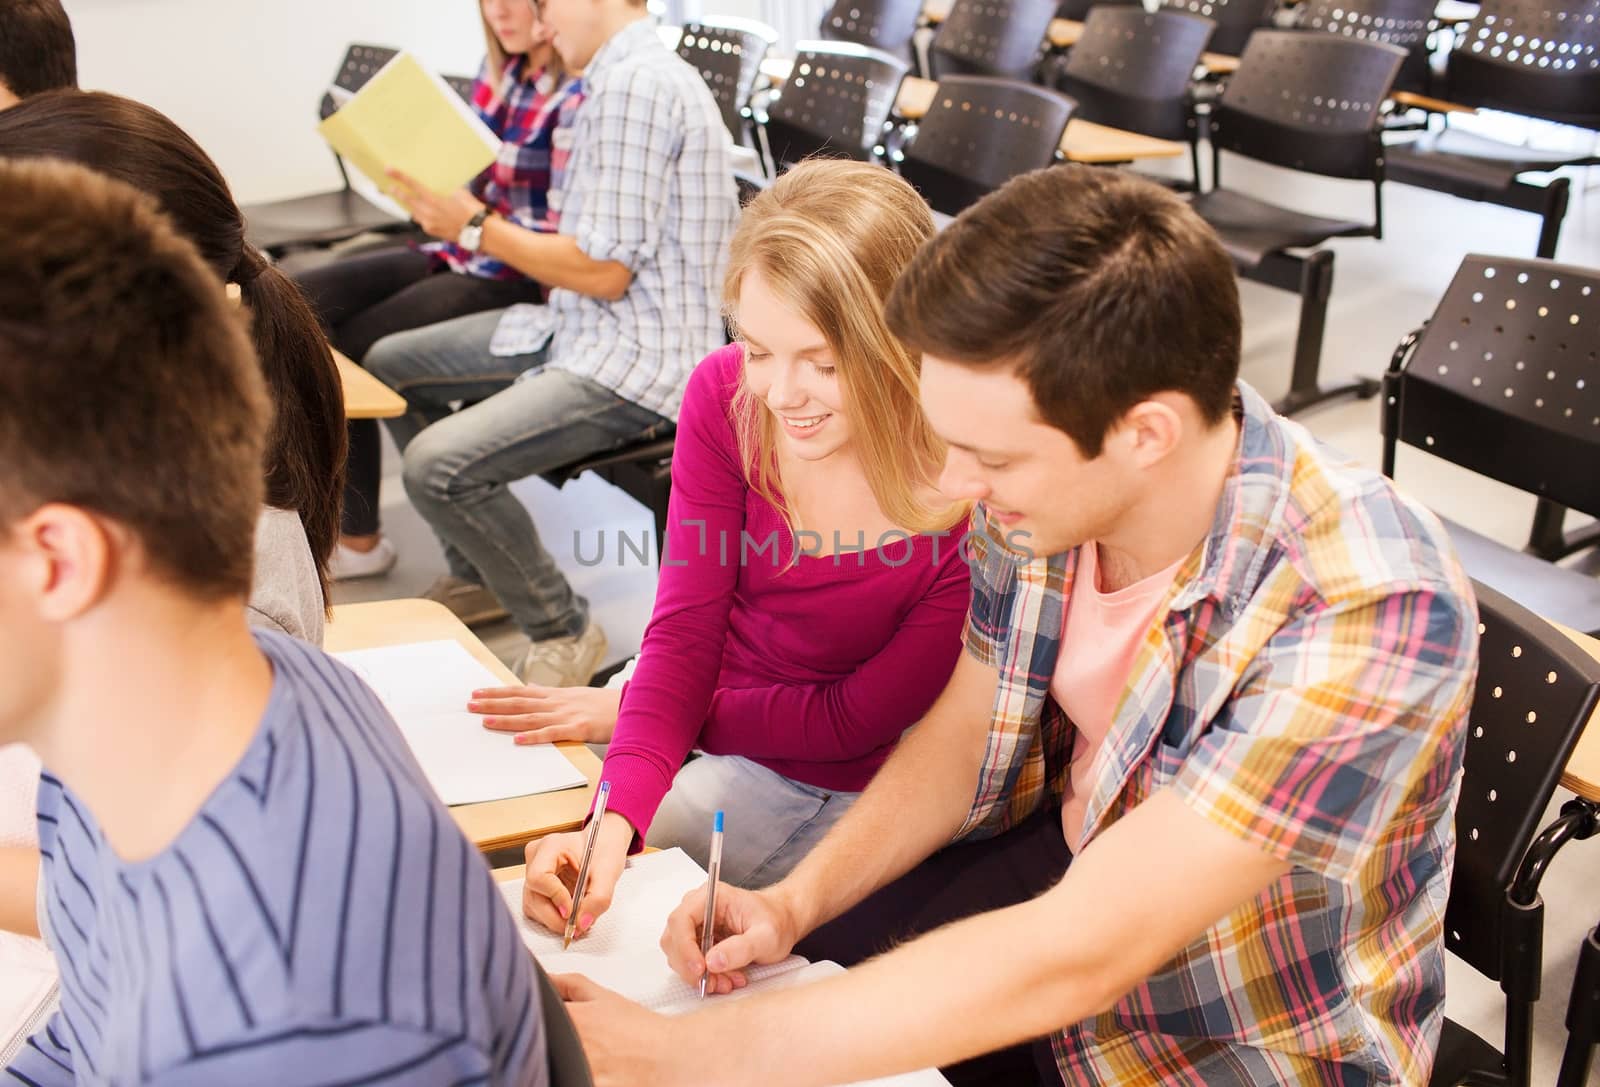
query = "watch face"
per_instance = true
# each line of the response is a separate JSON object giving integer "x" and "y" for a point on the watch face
{"x": 471, "y": 238}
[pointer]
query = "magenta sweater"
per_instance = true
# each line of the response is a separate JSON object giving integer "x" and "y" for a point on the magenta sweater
{"x": 812, "y": 669}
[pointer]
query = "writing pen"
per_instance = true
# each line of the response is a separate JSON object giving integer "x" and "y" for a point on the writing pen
{"x": 600, "y": 797}
{"x": 713, "y": 871}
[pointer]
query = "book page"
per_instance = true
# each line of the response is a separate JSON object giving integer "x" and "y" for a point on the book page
{"x": 425, "y": 686}
{"x": 623, "y": 950}
{"x": 407, "y": 119}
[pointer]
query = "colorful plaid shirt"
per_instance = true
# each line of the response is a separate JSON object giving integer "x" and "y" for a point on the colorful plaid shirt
{"x": 1306, "y": 689}
{"x": 533, "y": 118}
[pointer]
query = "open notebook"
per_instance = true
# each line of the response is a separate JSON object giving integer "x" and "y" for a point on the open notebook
{"x": 623, "y": 951}
{"x": 27, "y": 992}
{"x": 425, "y": 686}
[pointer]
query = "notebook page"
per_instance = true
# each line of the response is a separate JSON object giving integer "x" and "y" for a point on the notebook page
{"x": 425, "y": 686}
{"x": 623, "y": 950}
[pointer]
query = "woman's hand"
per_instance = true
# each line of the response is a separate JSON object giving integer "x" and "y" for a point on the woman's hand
{"x": 547, "y": 715}
{"x": 440, "y": 215}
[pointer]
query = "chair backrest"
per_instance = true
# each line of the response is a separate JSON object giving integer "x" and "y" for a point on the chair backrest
{"x": 877, "y": 24}
{"x": 361, "y": 62}
{"x": 564, "y": 1051}
{"x": 1078, "y": 10}
{"x": 1236, "y": 20}
{"x": 1535, "y": 693}
{"x": 1505, "y": 379}
{"x": 461, "y": 84}
{"x": 1530, "y": 57}
{"x": 1399, "y": 22}
{"x": 728, "y": 54}
{"x": 1307, "y": 101}
{"x": 980, "y": 133}
{"x": 836, "y": 102}
{"x": 1002, "y": 38}
{"x": 1132, "y": 69}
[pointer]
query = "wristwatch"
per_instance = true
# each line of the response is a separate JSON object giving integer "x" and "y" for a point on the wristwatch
{"x": 471, "y": 236}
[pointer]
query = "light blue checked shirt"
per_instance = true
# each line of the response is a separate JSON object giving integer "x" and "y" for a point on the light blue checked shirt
{"x": 650, "y": 185}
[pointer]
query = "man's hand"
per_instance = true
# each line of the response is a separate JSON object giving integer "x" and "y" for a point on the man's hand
{"x": 626, "y": 1045}
{"x": 440, "y": 215}
{"x": 751, "y": 927}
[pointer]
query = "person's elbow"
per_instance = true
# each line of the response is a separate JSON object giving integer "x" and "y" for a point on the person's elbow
{"x": 610, "y": 280}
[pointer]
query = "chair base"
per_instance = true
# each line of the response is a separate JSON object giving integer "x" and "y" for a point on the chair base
{"x": 1549, "y": 539}
{"x": 1315, "y": 395}
{"x": 1464, "y": 1058}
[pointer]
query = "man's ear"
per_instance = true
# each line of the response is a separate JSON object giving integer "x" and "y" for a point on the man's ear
{"x": 1149, "y": 432}
{"x": 69, "y": 555}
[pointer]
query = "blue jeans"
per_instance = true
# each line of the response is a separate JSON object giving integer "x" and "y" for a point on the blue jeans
{"x": 772, "y": 821}
{"x": 459, "y": 465}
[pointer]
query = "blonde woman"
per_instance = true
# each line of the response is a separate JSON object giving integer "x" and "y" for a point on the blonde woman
{"x": 813, "y": 590}
{"x": 525, "y": 96}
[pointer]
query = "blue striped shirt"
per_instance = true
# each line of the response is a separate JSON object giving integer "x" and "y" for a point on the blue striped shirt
{"x": 320, "y": 921}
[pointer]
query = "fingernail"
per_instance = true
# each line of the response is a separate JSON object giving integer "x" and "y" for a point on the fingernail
{"x": 586, "y": 922}
{"x": 563, "y": 911}
{"x": 474, "y": 705}
{"x": 714, "y": 962}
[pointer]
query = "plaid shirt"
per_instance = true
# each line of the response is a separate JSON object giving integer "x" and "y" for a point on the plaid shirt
{"x": 650, "y": 186}
{"x": 533, "y": 118}
{"x": 1306, "y": 689}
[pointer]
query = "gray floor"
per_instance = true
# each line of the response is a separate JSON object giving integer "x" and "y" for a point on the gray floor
{"x": 1382, "y": 290}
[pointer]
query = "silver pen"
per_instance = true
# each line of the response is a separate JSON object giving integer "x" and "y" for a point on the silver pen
{"x": 600, "y": 797}
{"x": 713, "y": 870}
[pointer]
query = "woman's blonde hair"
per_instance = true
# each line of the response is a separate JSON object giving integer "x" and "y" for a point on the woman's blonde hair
{"x": 830, "y": 237}
{"x": 498, "y": 58}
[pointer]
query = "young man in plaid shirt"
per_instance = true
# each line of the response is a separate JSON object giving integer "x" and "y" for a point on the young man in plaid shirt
{"x": 1201, "y": 756}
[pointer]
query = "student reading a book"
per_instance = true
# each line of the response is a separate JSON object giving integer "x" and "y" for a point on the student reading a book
{"x": 1202, "y": 753}
{"x": 647, "y": 206}
{"x": 814, "y": 590}
{"x": 37, "y": 50}
{"x": 526, "y": 97}
{"x": 246, "y": 879}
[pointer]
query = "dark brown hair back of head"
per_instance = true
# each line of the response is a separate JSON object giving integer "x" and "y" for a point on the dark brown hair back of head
{"x": 128, "y": 386}
{"x": 129, "y": 141}
{"x": 1099, "y": 287}
{"x": 37, "y": 50}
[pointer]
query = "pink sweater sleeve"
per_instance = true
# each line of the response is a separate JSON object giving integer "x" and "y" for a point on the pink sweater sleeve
{"x": 670, "y": 694}
{"x": 863, "y": 712}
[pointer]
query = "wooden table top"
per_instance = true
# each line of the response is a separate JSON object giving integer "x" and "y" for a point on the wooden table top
{"x": 365, "y": 397}
{"x": 1582, "y": 774}
{"x": 497, "y": 824}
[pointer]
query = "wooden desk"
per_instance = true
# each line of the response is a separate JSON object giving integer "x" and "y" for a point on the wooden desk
{"x": 1084, "y": 141}
{"x": 497, "y": 824}
{"x": 1582, "y": 774}
{"x": 365, "y": 397}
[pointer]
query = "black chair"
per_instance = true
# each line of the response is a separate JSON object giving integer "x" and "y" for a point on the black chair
{"x": 1307, "y": 102}
{"x": 728, "y": 54}
{"x": 1235, "y": 20}
{"x": 461, "y": 84}
{"x": 1405, "y": 23}
{"x": 1078, "y": 10}
{"x": 1583, "y": 1016}
{"x": 1134, "y": 70}
{"x": 569, "y": 1067}
{"x": 836, "y": 102}
{"x": 979, "y": 134}
{"x": 324, "y": 218}
{"x": 642, "y": 468}
{"x": 1535, "y": 692}
{"x": 1504, "y": 380}
{"x": 1004, "y": 38}
{"x": 886, "y": 25}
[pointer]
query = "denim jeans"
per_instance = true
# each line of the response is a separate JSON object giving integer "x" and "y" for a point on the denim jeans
{"x": 459, "y": 465}
{"x": 772, "y": 821}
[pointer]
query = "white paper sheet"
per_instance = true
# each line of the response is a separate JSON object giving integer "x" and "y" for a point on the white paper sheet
{"x": 425, "y": 686}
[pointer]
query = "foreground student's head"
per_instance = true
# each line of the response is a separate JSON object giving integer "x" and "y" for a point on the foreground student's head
{"x": 1079, "y": 331}
{"x": 513, "y": 28}
{"x": 37, "y": 51}
{"x": 809, "y": 269}
{"x": 580, "y": 27}
{"x": 132, "y": 422}
{"x": 129, "y": 141}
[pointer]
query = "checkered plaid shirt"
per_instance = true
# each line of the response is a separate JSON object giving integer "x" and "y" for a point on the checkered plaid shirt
{"x": 533, "y": 118}
{"x": 1306, "y": 689}
{"x": 650, "y": 185}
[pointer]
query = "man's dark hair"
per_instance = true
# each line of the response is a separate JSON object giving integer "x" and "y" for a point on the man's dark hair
{"x": 1101, "y": 288}
{"x": 37, "y": 51}
{"x": 128, "y": 387}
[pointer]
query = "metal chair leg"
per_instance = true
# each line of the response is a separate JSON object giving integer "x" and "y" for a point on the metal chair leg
{"x": 1305, "y": 389}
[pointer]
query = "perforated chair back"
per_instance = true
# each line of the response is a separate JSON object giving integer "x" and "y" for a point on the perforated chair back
{"x": 1003, "y": 38}
{"x": 1236, "y": 20}
{"x": 1308, "y": 101}
{"x": 836, "y": 102}
{"x": 1405, "y": 23}
{"x": 877, "y": 24}
{"x": 1133, "y": 70}
{"x": 1078, "y": 10}
{"x": 1535, "y": 693}
{"x": 361, "y": 62}
{"x": 1505, "y": 379}
{"x": 1530, "y": 57}
{"x": 980, "y": 133}
{"x": 728, "y": 54}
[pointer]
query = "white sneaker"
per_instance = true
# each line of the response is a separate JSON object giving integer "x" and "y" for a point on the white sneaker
{"x": 564, "y": 662}
{"x": 348, "y": 564}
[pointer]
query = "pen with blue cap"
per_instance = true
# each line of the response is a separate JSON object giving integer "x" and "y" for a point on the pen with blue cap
{"x": 713, "y": 871}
